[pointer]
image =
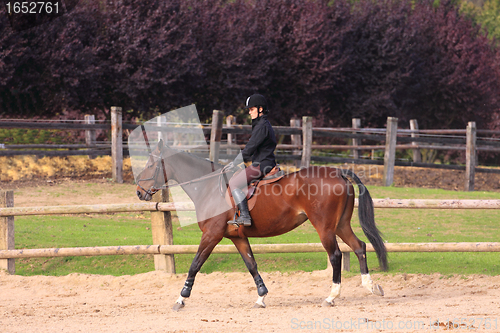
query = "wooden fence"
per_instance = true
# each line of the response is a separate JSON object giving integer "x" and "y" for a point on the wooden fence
{"x": 301, "y": 143}
{"x": 164, "y": 250}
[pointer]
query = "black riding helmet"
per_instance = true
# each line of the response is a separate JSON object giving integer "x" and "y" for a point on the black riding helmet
{"x": 258, "y": 101}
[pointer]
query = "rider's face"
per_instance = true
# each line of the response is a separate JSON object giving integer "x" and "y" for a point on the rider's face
{"x": 254, "y": 112}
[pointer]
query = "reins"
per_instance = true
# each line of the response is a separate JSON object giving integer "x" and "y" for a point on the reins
{"x": 196, "y": 180}
{"x": 155, "y": 188}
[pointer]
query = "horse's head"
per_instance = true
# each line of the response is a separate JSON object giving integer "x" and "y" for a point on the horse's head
{"x": 154, "y": 175}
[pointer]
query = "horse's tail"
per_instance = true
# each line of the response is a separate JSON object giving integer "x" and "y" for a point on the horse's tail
{"x": 367, "y": 220}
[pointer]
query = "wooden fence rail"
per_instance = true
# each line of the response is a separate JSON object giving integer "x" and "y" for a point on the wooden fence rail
{"x": 189, "y": 206}
{"x": 162, "y": 231}
{"x": 302, "y": 138}
{"x": 231, "y": 249}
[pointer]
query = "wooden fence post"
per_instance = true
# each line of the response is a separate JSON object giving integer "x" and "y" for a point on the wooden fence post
{"x": 90, "y": 136}
{"x": 296, "y": 139}
{"x": 215, "y": 135}
{"x": 161, "y": 228}
{"x": 390, "y": 150}
{"x": 161, "y": 122}
{"x": 470, "y": 156}
{"x": 417, "y": 156}
{"x": 346, "y": 259}
{"x": 345, "y": 264}
{"x": 7, "y": 231}
{"x": 356, "y": 124}
{"x": 117, "y": 144}
{"x": 231, "y": 138}
{"x": 306, "y": 141}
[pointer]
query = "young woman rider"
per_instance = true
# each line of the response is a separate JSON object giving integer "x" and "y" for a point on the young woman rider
{"x": 259, "y": 150}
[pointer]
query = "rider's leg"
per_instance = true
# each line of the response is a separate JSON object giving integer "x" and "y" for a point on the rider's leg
{"x": 241, "y": 180}
{"x": 240, "y": 199}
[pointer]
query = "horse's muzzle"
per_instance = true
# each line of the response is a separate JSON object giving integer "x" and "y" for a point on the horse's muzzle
{"x": 145, "y": 197}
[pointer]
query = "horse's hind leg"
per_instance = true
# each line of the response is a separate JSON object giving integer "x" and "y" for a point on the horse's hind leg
{"x": 328, "y": 239}
{"x": 207, "y": 244}
{"x": 359, "y": 247}
{"x": 245, "y": 251}
{"x": 344, "y": 231}
{"x": 335, "y": 256}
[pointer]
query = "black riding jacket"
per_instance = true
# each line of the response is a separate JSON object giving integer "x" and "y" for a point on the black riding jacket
{"x": 260, "y": 148}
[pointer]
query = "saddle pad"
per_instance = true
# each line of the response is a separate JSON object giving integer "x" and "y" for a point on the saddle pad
{"x": 273, "y": 176}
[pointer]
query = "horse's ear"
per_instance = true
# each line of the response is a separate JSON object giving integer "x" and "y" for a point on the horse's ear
{"x": 160, "y": 144}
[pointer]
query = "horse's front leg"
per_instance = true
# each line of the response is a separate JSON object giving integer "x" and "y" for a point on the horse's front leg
{"x": 245, "y": 251}
{"x": 207, "y": 244}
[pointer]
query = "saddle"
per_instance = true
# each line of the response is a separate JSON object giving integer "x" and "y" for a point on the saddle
{"x": 273, "y": 176}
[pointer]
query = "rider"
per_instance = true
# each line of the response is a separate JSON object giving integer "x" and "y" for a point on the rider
{"x": 260, "y": 150}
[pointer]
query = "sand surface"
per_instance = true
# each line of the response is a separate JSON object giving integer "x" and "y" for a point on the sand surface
{"x": 222, "y": 302}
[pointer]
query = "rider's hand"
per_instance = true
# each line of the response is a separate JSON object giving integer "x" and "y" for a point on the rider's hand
{"x": 234, "y": 165}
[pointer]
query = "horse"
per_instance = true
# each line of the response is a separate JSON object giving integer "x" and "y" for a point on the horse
{"x": 292, "y": 200}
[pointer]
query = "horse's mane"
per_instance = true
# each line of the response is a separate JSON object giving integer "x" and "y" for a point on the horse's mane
{"x": 201, "y": 159}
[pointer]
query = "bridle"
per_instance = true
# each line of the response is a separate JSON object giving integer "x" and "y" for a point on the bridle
{"x": 156, "y": 187}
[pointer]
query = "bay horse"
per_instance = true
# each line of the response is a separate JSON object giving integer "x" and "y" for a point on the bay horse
{"x": 321, "y": 194}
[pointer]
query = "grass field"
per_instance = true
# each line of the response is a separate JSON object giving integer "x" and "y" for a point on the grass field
{"x": 397, "y": 225}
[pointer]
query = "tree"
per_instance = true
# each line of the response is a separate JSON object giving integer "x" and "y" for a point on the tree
{"x": 333, "y": 60}
{"x": 28, "y": 86}
{"x": 415, "y": 60}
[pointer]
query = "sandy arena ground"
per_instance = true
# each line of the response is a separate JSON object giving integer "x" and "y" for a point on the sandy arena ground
{"x": 222, "y": 302}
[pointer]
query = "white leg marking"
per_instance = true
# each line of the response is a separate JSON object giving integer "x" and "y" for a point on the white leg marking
{"x": 260, "y": 301}
{"x": 374, "y": 288}
{"x": 367, "y": 282}
{"x": 334, "y": 293}
{"x": 180, "y": 300}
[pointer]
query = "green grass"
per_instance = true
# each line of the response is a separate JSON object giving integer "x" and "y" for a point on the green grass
{"x": 82, "y": 231}
{"x": 422, "y": 193}
{"x": 397, "y": 225}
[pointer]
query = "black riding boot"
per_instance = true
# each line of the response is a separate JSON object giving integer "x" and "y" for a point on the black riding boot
{"x": 241, "y": 201}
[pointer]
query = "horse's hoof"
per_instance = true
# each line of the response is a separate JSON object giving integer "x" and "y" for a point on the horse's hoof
{"x": 260, "y": 302}
{"x": 178, "y": 306}
{"x": 259, "y": 306}
{"x": 327, "y": 304}
{"x": 377, "y": 290}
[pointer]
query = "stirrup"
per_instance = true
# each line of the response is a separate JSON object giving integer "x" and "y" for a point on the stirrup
{"x": 238, "y": 224}
{"x": 233, "y": 221}
{"x": 246, "y": 223}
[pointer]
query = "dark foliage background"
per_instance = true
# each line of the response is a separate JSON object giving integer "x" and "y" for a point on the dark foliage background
{"x": 331, "y": 59}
